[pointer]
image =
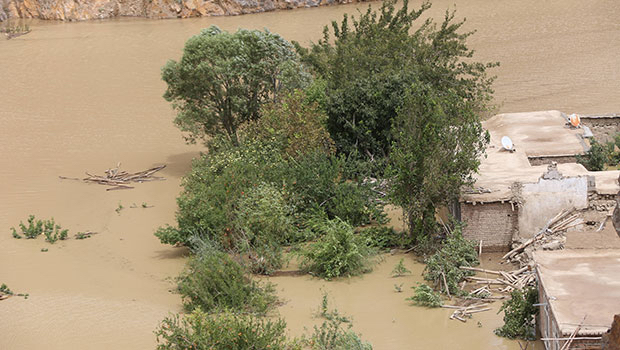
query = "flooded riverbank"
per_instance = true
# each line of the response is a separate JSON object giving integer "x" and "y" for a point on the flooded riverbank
{"x": 81, "y": 97}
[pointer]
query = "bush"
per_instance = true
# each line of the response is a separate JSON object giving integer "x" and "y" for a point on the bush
{"x": 264, "y": 221}
{"x": 224, "y": 331}
{"x": 519, "y": 315}
{"x": 400, "y": 269}
{"x": 35, "y": 228}
{"x": 213, "y": 187}
{"x": 384, "y": 237}
{"x": 213, "y": 281}
{"x": 423, "y": 295}
{"x": 455, "y": 252}
{"x": 338, "y": 252}
{"x": 596, "y": 157}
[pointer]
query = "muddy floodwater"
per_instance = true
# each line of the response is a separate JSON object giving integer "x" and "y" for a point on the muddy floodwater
{"x": 78, "y": 97}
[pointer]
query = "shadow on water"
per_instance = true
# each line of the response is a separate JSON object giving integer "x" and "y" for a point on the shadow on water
{"x": 179, "y": 164}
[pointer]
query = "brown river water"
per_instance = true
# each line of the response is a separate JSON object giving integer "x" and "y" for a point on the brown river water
{"x": 79, "y": 97}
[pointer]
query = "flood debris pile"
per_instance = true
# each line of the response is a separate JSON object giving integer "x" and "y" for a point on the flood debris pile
{"x": 119, "y": 179}
{"x": 550, "y": 237}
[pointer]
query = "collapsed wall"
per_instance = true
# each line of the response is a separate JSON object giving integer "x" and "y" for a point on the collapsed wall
{"x": 76, "y": 10}
{"x": 553, "y": 193}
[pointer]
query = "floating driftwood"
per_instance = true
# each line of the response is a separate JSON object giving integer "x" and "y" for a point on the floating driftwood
{"x": 120, "y": 180}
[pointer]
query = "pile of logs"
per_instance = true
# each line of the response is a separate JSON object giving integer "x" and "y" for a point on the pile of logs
{"x": 119, "y": 180}
{"x": 461, "y": 313}
{"x": 509, "y": 280}
{"x": 557, "y": 225}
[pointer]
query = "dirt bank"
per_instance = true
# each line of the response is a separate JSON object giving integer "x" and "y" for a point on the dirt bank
{"x": 75, "y": 10}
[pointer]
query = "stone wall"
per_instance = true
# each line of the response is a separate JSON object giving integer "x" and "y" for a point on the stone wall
{"x": 492, "y": 223}
{"x": 604, "y": 128}
{"x": 541, "y": 160}
{"x": 76, "y": 10}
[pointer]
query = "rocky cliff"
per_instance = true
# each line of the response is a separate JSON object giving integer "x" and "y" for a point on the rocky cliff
{"x": 77, "y": 10}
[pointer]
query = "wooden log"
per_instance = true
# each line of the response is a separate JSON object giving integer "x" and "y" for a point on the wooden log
{"x": 477, "y": 269}
{"x": 446, "y": 284}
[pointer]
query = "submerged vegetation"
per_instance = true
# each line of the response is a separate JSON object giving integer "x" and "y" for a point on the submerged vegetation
{"x": 423, "y": 295}
{"x": 519, "y": 315}
{"x": 52, "y": 231}
{"x": 306, "y": 146}
{"x": 222, "y": 331}
{"x": 442, "y": 268}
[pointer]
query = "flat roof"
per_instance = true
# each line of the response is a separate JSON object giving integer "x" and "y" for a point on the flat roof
{"x": 534, "y": 134}
{"x": 578, "y": 283}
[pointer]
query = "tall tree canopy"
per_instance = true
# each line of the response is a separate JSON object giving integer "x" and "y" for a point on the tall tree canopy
{"x": 438, "y": 142}
{"x": 369, "y": 65}
{"x": 223, "y": 79}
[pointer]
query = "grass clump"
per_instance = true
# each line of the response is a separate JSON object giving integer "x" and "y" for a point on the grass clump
{"x": 456, "y": 251}
{"x": 213, "y": 281}
{"x": 338, "y": 252}
{"x": 52, "y": 231}
{"x": 423, "y": 295}
{"x": 519, "y": 315}
{"x": 223, "y": 331}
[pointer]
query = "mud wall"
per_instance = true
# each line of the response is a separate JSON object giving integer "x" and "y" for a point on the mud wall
{"x": 76, "y": 10}
{"x": 492, "y": 223}
{"x": 546, "y": 198}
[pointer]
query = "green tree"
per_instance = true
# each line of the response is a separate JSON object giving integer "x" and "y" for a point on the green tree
{"x": 368, "y": 66}
{"x": 223, "y": 79}
{"x": 438, "y": 142}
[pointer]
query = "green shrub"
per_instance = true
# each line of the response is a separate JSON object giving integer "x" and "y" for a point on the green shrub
{"x": 224, "y": 331}
{"x": 338, "y": 252}
{"x": 352, "y": 203}
{"x": 519, "y": 315}
{"x": 456, "y": 251}
{"x": 332, "y": 334}
{"x": 423, "y": 295}
{"x": 596, "y": 157}
{"x": 35, "y": 228}
{"x": 213, "y": 281}
{"x": 4, "y": 289}
{"x": 383, "y": 237}
{"x": 54, "y": 232}
{"x": 400, "y": 269}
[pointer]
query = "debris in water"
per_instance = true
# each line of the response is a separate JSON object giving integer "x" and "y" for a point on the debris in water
{"x": 119, "y": 180}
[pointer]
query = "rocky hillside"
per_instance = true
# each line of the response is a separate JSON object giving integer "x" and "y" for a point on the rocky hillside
{"x": 77, "y": 10}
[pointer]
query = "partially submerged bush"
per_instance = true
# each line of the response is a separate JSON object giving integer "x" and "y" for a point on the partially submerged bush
{"x": 224, "y": 331}
{"x": 400, "y": 269}
{"x": 35, "y": 228}
{"x": 335, "y": 332}
{"x": 338, "y": 252}
{"x": 423, "y": 295}
{"x": 455, "y": 252}
{"x": 519, "y": 315}
{"x": 213, "y": 281}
